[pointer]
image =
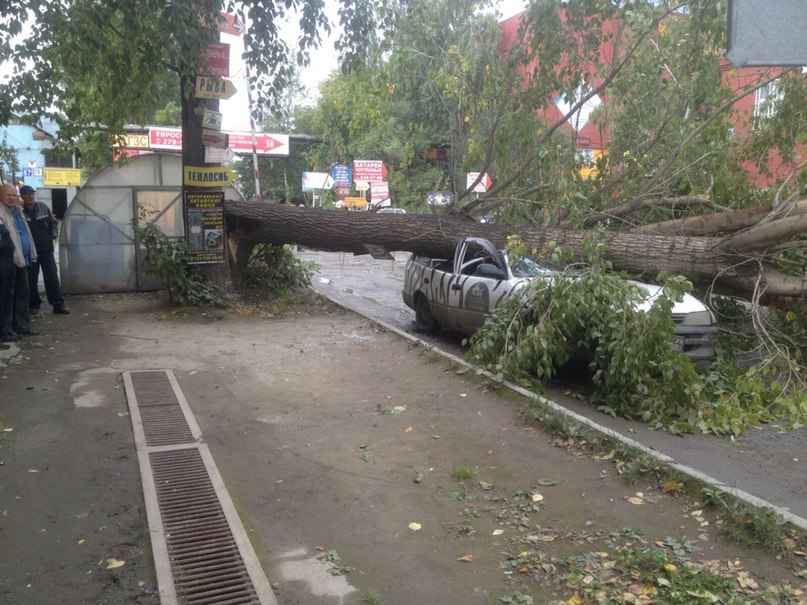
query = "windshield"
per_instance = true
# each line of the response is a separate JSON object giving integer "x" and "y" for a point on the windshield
{"x": 526, "y": 267}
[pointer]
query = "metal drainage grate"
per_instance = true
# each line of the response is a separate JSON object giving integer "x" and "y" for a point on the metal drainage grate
{"x": 162, "y": 417}
{"x": 205, "y": 560}
{"x": 201, "y": 552}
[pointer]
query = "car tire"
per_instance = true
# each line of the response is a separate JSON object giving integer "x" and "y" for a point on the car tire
{"x": 423, "y": 315}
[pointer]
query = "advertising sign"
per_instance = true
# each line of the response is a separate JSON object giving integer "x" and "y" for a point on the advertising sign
{"x": 204, "y": 217}
{"x": 230, "y": 24}
{"x": 369, "y": 170}
{"x": 62, "y": 177}
{"x": 218, "y": 155}
{"x": 379, "y": 191}
{"x": 199, "y": 176}
{"x": 342, "y": 175}
{"x": 165, "y": 138}
{"x": 132, "y": 141}
{"x": 355, "y": 203}
{"x": 239, "y": 142}
{"x": 214, "y": 87}
{"x": 316, "y": 180}
{"x": 214, "y": 138}
{"x": 215, "y": 60}
{"x": 265, "y": 144}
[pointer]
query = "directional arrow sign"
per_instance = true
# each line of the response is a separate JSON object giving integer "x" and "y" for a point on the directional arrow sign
{"x": 216, "y": 155}
{"x": 214, "y": 138}
{"x": 213, "y": 87}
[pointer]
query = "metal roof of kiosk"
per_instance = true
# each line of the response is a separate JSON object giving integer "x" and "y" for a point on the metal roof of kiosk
{"x": 98, "y": 250}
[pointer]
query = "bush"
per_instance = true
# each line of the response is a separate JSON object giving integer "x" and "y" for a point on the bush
{"x": 167, "y": 259}
{"x": 276, "y": 269}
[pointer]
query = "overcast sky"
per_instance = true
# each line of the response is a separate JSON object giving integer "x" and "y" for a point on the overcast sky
{"x": 323, "y": 62}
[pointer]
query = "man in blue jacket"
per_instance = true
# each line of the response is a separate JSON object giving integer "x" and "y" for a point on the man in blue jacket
{"x": 14, "y": 319}
{"x": 44, "y": 229}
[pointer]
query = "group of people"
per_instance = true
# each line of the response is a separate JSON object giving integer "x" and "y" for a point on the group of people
{"x": 27, "y": 231}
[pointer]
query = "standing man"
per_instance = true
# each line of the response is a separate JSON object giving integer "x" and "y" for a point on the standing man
{"x": 15, "y": 318}
{"x": 44, "y": 229}
{"x": 6, "y": 272}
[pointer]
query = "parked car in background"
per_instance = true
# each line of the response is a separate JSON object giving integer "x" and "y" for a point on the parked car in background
{"x": 390, "y": 210}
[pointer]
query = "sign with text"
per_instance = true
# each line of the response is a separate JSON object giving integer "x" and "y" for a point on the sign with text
{"x": 369, "y": 170}
{"x": 230, "y": 24}
{"x": 204, "y": 218}
{"x": 215, "y": 60}
{"x": 265, "y": 144}
{"x": 214, "y": 87}
{"x": 379, "y": 191}
{"x": 62, "y": 177}
{"x": 342, "y": 175}
{"x": 165, "y": 138}
{"x": 239, "y": 142}
{"x": 217, "y": 155}
{"x": 355, "y": 203}
{"x": 199, "y": 176}
{"x": 132, "y": 141}
{"x": 214, "y": 138}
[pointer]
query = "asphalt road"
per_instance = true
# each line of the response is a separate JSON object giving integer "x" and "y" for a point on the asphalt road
{"x": 767, "y": 464}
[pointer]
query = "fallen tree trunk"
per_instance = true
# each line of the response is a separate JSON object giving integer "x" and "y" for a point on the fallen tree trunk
{"x": 701, "y": 259}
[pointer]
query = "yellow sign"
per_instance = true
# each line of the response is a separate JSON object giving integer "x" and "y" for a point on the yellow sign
{"x": 198, "y": 176}
{"x": 132, "y": 141}
{"x": 62, "y": 177}
{"x": 589, "y": 168}
{"x": 355, "y": 202}
{"x": 214, "y": 87}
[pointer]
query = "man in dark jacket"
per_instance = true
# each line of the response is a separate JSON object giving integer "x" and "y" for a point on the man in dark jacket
{"x": 44, "y": 229}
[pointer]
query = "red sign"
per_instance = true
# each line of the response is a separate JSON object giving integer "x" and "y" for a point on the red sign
{"x": 482, "y": 186}
{"x": 369, "y": 170}
{"x": 265, "y": 144}
{"x": 165, "y": 138}
{"x": 239, "y": 142}
{"x": 215, "y": 60}
{"x": 230, "y": 24}
{"x": 379, "y": 191}
{"x": 119, "y": 152}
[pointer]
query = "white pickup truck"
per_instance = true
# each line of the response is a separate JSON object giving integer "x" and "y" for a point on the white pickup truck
{"x": 458, "y": 293}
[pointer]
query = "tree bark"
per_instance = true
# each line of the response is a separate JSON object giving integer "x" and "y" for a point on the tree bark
{"x": 701, "y": 259}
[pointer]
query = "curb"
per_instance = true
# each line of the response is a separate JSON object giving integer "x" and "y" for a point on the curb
{"x": 713, "y": 483}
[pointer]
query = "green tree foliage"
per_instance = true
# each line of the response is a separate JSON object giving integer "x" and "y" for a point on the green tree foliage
{"x": 102, "y": 64}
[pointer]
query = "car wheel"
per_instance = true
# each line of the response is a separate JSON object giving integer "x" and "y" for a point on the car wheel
{"x": 423, "y": 315}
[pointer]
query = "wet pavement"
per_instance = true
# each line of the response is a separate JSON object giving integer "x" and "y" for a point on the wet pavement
{"x": 767, "y": 466}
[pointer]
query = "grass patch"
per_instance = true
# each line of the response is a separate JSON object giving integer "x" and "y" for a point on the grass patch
{"x": 462, "y": 473}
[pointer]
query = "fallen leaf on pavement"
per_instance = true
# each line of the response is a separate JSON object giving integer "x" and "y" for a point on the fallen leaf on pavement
{"x": 486, "y": 486}
{"x": 466, "y": 558}
{"x": 498, "y": 532}
{"x": 546, "y": 482}
{"x": 537, "y": 497}
{"x": 114, "y": 563}
{"x": 408, "y": 429}
{"x": 415, "y": 526}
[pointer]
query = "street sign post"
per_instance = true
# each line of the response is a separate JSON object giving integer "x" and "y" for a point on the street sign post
{"x": 217, "y": 155}
{"x": 214, "y": 138}
{"x": 214, "y": 87}
{"x": 200, "y": 176}
{"x": 210, "y": 119}
{"x": 215, "y": 60}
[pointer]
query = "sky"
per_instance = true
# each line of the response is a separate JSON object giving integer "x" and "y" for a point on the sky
{"x": 323, "y": 63}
